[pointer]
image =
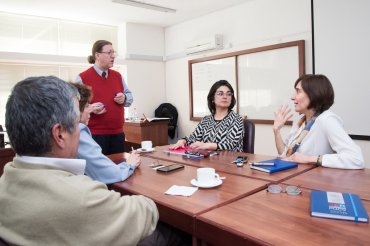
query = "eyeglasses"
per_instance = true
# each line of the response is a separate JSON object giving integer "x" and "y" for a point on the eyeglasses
{"x": 110, "y": 53}
{"x": 221, "y": 94}
{"x": 291, "y": 190}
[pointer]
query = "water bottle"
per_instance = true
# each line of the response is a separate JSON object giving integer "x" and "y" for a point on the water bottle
{"x": 135, "y": 116}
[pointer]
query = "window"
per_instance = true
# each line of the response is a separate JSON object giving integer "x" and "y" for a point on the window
{"x": 50, "y": 47}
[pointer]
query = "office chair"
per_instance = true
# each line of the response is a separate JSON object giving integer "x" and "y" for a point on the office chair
{"x": 248, "y": 140}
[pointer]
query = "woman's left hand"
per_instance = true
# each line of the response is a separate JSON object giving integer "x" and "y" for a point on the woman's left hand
{"x": 301, "y": 158}
{"x": 199, "y": 145}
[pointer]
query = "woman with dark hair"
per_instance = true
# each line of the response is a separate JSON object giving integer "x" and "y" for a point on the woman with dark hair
{"x": 223, "y": 129}
{"x": 318, "y": 136}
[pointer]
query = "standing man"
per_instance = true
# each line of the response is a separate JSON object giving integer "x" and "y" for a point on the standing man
{"x": 45, "y": 198}
{"x": 110, "y": 96}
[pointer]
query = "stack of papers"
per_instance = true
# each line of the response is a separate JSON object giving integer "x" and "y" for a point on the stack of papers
{"x": 176, "y": 190}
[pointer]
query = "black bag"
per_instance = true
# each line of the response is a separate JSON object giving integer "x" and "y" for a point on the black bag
{"x": 169, "y": 111}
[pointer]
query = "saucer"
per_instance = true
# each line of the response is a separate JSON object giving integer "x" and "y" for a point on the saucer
{"x": 215, "y": 183}
{"x": 145, "y": 151}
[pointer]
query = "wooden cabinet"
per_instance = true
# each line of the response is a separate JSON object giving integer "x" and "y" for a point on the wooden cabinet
{"x": 156, "y": 131}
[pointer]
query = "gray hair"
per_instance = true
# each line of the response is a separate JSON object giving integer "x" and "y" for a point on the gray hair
{"x": 34, "y": 106}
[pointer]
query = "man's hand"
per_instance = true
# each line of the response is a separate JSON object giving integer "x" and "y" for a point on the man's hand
{"x": 134, "y": 159}
{"x": 119, "y": 98}
{"x": 98, "y": 108}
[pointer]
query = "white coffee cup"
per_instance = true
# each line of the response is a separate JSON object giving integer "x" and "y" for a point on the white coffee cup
{"x": 207, "y": 175}
{"x": 147, "y": 145}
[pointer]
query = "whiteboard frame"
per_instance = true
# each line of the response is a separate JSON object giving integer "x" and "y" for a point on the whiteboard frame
{"x": 300, "y": 62}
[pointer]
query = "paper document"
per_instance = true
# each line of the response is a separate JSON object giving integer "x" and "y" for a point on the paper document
{"x": 155, "y": 118}
{"x": 177, "y": 190}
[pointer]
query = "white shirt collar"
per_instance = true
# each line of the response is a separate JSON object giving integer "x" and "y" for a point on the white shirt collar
{"x": 76, "y": 166}
{"x": 99, "y": 71}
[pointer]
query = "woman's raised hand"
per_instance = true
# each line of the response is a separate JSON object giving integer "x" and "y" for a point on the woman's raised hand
{"x": 282, "y": 115}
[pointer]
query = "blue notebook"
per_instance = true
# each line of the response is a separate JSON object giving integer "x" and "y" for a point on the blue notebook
{"x": 279, "y": 165}
{"x": 336, "y": 205}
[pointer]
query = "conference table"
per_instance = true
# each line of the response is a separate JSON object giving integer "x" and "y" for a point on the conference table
{"x": 240, "y": 211}
{"x": 277, "y": 219}
{"x": 223, "y": 162}
{"x": 180, "y": 211}
{"x": 337, "y": 180}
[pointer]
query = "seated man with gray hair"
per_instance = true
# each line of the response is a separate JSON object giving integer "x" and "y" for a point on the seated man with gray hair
{"x": 44, "y": 197}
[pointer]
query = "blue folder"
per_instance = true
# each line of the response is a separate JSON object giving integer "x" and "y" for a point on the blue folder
{"x": 279, "y": 165}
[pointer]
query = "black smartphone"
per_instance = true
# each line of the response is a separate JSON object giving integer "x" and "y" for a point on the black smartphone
{"x": 170, "y": 168}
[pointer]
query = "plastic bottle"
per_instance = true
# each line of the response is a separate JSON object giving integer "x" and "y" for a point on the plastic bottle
{"x": 135, "y": 116}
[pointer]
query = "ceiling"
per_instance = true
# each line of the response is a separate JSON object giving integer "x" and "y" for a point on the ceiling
{"x": 110, "y": 13}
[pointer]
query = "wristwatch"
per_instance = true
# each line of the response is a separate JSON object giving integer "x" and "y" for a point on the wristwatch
{"x": 319, "y": 160}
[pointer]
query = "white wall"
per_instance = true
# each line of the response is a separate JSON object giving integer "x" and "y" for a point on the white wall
{"x": 249, "y": 25}
{"x": 147, "y": 83}
{"x": 144, "y": 52}
{"x": 144, "y": 40}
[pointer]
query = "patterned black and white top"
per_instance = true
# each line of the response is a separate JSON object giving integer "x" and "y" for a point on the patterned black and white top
{"x": 227, "y": 133}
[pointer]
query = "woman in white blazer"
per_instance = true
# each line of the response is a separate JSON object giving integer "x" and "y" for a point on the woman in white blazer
{"x": 318, "y": 136}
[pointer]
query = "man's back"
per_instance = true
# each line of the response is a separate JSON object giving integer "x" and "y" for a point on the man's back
{"x": 43, "y": 205}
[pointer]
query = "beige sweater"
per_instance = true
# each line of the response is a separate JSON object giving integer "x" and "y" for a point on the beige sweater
{"x": 41, "y": 205}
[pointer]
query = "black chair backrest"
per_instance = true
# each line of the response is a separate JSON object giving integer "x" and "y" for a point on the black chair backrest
{"x": 248, "y": 140}
{"x": 167, "y": 110}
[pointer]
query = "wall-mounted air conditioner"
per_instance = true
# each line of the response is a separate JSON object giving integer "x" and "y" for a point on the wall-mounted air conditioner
{"x": 211, "y": 43}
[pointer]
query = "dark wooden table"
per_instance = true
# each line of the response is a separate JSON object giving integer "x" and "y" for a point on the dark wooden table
{"x": 277, "y": 219}
{"x": 181, "y": 211}
{"x": 332, "y": 179}
{"x": 240, "y": 211}
{"x": 223, "y": 163}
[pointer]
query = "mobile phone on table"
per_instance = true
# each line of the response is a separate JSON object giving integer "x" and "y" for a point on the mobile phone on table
{"x": 241, "y": 159}
{"x": 170, "y": 168}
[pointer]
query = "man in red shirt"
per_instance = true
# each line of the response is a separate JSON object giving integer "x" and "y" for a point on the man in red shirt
{"x": 110, "y": 96}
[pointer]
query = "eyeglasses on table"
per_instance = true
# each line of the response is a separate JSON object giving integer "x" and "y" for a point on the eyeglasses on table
{"x": 291, "y": 190}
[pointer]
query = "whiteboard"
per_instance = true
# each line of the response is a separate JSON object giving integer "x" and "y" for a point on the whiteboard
{"x": 266, "y": 81}
{"x": 205, "y": 74}
{"x": 262, "y": 78}
{"x": 342, "y": 50}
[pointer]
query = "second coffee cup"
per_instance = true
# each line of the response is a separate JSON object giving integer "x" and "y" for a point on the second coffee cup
{"x": 207, "y": 175}
{"x": 146, "y": 145}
